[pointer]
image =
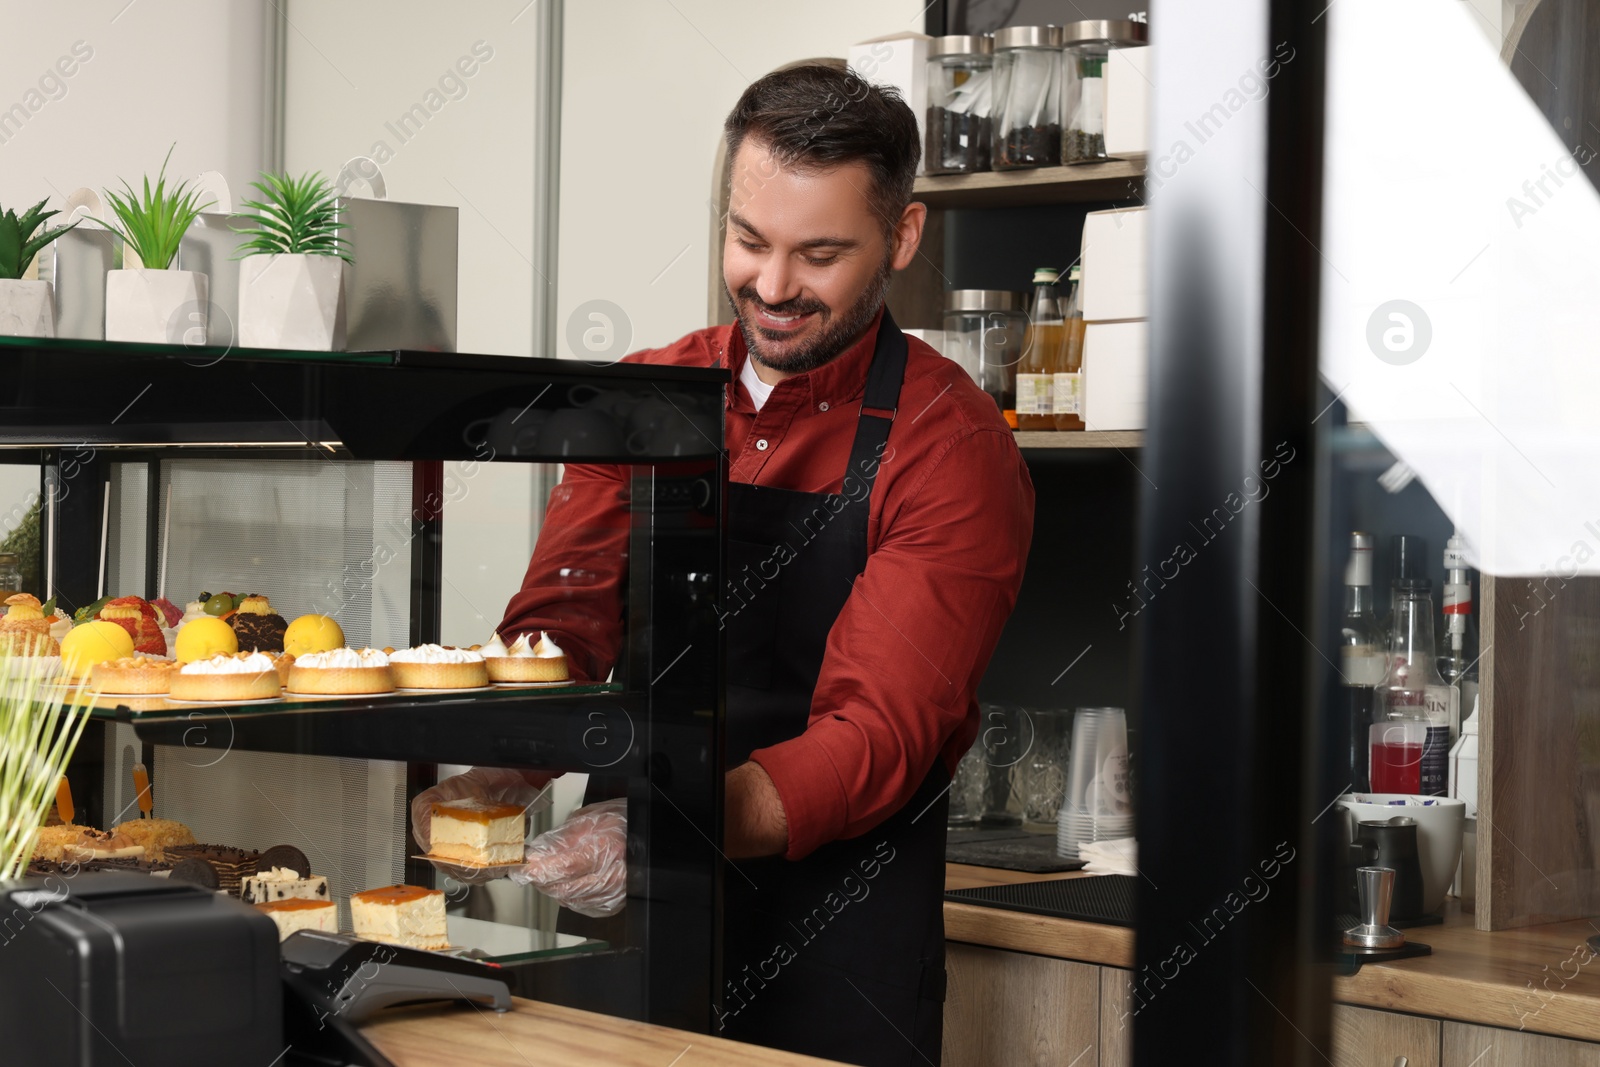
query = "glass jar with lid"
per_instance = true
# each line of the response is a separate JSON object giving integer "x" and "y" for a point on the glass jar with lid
{"x": 1088, "y": 45}
{"x": 984, "y": 331}
{"x": 1027, "y": 75}
{"x": 960, "y": 103}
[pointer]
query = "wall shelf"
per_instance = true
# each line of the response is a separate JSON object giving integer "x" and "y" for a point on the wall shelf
{"x": 1029, "y": 439}
{"x": 1117, "y": 179}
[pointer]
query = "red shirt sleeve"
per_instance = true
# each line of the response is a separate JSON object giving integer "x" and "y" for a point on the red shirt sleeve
{"x": 574, "y": 581}
{"x": 899, "y": 679}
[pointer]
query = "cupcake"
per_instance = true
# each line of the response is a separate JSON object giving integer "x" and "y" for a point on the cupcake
{"x": 257, "y": 625}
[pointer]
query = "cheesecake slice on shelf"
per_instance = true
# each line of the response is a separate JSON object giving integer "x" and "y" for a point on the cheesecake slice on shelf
{"x": 404, "y": 915}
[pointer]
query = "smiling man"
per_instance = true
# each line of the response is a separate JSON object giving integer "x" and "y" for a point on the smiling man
{"x": 889, "y": 491}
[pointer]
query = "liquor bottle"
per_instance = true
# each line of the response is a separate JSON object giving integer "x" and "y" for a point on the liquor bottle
{"x": 1067, "y": 397}
{"x": 1046, "y": 337}
{"x": 1363, "y": 660}
{"x": 1458, "y": 644}
{"x": 1410, "y": 734}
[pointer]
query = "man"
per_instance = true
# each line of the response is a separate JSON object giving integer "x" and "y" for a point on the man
{"x": 852, "y": 681}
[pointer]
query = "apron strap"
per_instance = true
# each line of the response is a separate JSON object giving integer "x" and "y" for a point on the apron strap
{"x": 879, "y": 401}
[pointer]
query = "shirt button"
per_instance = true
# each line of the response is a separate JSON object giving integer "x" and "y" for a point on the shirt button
{"x": 822, "y": 406}
{"x": 761, "y": 445}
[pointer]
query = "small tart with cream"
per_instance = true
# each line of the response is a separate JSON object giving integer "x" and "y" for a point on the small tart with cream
{"x": 242, "y": 676}
{"x": 438, "y": 667}
{"x": 133, "y": 674}
{"x": 541, "y": 661}
{"x": 341, "y": 672}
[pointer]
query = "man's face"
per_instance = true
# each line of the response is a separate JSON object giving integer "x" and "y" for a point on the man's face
{"x": 806, "y": 261}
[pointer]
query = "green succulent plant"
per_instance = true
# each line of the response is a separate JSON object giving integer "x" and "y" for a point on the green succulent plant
{"x": 294, "y": 215}
{"x": 20, "y": 240}
{"x": 152, "y": 226}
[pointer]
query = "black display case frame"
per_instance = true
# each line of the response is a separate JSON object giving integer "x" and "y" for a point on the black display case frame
{"x": 73, "y": 407}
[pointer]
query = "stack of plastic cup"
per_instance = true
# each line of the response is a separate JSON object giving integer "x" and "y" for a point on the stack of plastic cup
{"x": 1099, "y": 800}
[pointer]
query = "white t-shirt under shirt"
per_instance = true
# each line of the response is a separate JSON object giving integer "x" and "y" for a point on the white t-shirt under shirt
{"x": 758, "y": 389}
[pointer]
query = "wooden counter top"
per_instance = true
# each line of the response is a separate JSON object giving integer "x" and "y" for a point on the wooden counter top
{"x": 534, "y": 1034}
{"x": 1543, "y": 979}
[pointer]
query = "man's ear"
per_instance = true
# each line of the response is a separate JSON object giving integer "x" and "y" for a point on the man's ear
{"x": 908, "y": 234}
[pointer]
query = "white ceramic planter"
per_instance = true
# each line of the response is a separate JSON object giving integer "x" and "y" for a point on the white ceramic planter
{"x": 157, "y": 306}
{"x": 292, "y": 301}
{"x": 27, "y": 309}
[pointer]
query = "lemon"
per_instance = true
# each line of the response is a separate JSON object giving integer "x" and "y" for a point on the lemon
{"x": 312, "y": 633}
{"x": 203, "y": 638}
{"x": 91, "y": 643}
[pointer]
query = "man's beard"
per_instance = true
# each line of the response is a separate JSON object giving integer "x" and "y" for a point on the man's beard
{"x": 835, "y": 336}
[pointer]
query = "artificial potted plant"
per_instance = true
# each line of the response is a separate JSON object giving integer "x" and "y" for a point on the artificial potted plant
{"x": 151, "y": 303}
{"x": 27, "y": 308}
{"x": 291, "y": 276}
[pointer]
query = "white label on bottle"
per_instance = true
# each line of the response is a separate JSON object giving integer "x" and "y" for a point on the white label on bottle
{"x": 1033, "y": 394}
{"x": 1442, "y": 705}
{"x": 1068, "y": 393}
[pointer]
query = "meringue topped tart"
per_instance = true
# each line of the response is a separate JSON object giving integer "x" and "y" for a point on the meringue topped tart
{"x": 476, "y": 832}
{"x": 438, "y": 667}
{"x": 540, "y": 661}
{"x": 241, "y": 676}
{"x": 401, "y": 915}
{"x": 341, "y": 672}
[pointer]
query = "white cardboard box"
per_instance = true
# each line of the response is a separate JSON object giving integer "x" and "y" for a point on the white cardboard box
{"x": 901, "y": 62}
{"x": 1116, "y": 274}
{"x": 1128, "y": 101}
{"x": 1116, "y": 367}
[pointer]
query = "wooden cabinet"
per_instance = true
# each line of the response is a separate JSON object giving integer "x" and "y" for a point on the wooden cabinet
{"x": 1487, "y": 1046}
{"x": 1019, "y": 1010}
{"x": 1116, "y": 1017}
{"x": 1366, "y": 1038}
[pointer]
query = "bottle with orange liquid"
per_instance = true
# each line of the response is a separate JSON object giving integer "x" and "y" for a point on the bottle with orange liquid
{"x": 1067, "y": 392}
{"x": 1042, "y": 352}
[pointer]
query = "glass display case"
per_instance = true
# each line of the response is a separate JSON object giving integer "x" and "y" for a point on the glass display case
{"x": 325, "y": 480}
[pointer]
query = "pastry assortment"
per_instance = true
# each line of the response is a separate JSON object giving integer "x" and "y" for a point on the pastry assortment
{"x": 541, "y": 661}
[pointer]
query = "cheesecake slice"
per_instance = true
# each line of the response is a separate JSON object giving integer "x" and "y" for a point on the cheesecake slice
{"x": 280, "y": 883}
{"x": 401, "y": 915}
{"x": 292, "y": 915}
{"x": 477, "y": 832}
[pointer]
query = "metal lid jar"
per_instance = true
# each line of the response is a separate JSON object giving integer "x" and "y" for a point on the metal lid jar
{"x": 984, "y": 331}
{"x": 960, "y": 102}
{"x": 1027, "y": 73}
{"x": 1088, "y": 44}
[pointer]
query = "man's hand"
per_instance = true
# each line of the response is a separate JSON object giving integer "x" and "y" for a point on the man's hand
{"x": 583, "y": 863}
{"x": 492, "y": 785}
{"x": 755, "y": 823}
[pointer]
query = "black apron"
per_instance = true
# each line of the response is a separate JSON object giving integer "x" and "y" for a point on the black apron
{"x": 840, "y": 954}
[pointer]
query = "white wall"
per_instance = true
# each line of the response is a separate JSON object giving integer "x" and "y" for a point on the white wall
{"x": 143, "y": 76}
{"x": 354, "y": 69}
{"x": 645, "y": 89}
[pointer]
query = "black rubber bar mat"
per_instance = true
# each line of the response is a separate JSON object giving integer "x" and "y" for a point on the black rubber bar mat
{"x": 1103, "y": 898}
{"x": 1033, "y": 853}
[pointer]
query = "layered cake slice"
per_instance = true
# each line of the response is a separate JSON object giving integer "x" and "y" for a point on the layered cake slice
{"x": 292, "y": 915}
{"x": 401, "y": 915}
{"x": 232, "y": 865}
{"x": 281, "y": 883}
{"x": 477, "y": 832}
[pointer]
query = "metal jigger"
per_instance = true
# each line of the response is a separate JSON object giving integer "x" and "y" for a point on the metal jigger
{"x": 1374, "y": 887}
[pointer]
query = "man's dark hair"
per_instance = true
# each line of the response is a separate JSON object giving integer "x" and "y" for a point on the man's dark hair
{"x": 819, "y": 117}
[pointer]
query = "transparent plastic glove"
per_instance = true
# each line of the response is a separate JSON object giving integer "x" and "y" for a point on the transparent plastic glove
{"x": 492, "y": 785}
{"x": 583, "y": 863}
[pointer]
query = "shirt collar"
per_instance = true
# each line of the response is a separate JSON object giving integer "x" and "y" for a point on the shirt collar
{"x": 840, "y": 380}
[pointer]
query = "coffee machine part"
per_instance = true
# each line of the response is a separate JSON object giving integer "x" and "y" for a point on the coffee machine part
{"x": 1374, "y": 886}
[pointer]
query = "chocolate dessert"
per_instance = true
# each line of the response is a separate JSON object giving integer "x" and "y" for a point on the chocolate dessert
{"x": 257, "y": 626}
{"x": 232, "y": 864}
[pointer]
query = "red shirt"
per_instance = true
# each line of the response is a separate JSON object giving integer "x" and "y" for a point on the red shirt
{"x": 949, "y": 525}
